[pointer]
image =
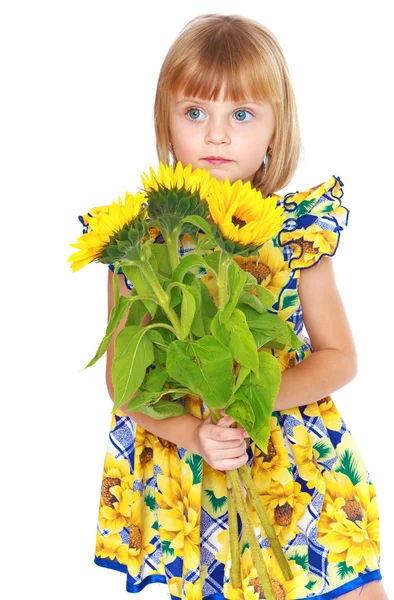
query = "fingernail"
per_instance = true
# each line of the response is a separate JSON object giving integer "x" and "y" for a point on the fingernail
{"x": 245, "y": 434}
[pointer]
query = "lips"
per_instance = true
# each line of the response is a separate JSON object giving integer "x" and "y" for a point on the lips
{"x": 217, "y": 160}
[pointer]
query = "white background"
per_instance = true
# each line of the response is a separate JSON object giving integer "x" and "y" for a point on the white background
{"x": 78, "y": 82}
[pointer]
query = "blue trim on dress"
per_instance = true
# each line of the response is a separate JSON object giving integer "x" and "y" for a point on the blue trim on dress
{"x": 348, "y": 587}
{"x": 339, "y": 591}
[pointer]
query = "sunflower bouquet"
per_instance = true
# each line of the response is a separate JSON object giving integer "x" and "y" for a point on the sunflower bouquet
{"x": 195, "y": 342}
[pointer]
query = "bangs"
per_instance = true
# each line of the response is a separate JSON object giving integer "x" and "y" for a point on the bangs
{"x": 239, "y": 68}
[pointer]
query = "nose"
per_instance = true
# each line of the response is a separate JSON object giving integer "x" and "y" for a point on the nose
{"x": 217, "y": 132}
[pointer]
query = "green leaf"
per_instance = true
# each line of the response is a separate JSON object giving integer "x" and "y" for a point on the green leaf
{"x": 201, "y": 223}
{"x": 117, "y": 314}
{"x": 295, "y": 340}
{"x": 143, "y": 287}
{"x": 260, "y": 395}
{"x": 164, "y": 409}
{"x": 323, "y": 449}
{"x": 253, "y": 301}
{"x": 236, "y": 278}
{"x": 196, "y": 465}
{"x": 345, "y": 571}
{"x": 300, "y": 559}
{"x": 242, "y": 412}
{"x": 147, "y": 397}
{"x": 166, "y": 547}
{"x": 208, "y": 306}
{"x": 289, "y": 299}
{"x": 156, "y": 379}
{"x": 272, "y": 326}
{"x": 217, "y": 504}
{"x": 212, "y": 260}
{"x": 222, "y": 334}
{"x": 205, "y": 367}
{"x": 197, "y": 328}
{"x": 263, "y": 341}
{"x": 175, "y": 293}
{"x": 265, "y": 296}
{"x": 160, "y": 252}
{"x": 304, "y": 207}
{"x": 242, "y": 343}
{"x": 150, "y": 501}
{"x": 348, "y": 464}
{"x": 242, "y": 374}
{"x": 137, "y": 310}
{"x": 133, "y": 354}
{"x": 188, "y": 262}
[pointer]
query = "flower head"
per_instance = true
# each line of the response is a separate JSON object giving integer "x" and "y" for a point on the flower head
{"x": 103, "y": 224}
{"x": 175, "y": 194}
{"x": 243, "y": 219}
{"x": 167, "y": 177}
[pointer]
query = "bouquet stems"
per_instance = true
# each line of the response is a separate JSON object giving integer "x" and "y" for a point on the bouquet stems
{"x": 237, "y": 502}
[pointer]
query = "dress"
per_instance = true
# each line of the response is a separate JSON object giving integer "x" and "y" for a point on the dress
{"x": 163, "y": 511}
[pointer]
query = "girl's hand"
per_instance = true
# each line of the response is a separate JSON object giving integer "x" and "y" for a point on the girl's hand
{"x": 221, "y": 446}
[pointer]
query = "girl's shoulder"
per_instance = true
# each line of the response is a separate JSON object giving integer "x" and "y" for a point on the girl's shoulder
{"x": 314, "y": 221}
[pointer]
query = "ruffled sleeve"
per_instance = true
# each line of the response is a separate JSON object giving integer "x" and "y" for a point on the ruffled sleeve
{"x": 85, "y": 219}
{"x": 315, "y": 220}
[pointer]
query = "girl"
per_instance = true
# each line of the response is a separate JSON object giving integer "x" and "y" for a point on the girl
{"x": 224, "y": 102}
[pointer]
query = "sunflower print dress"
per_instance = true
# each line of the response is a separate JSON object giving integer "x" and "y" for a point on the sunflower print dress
{"x": 162, "y": 515}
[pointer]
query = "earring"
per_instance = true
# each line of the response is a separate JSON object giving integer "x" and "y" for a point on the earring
{"x": 266, "y": 160}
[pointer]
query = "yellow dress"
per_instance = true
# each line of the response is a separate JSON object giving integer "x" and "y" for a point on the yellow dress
{"x": 163, "y": 511}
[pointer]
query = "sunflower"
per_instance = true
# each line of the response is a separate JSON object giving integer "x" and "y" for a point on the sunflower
{"x": 242, "y": 215}
{"x": 326, "y": 409}
{"x": 271, "y": 271}
{"x": 349, "y": 522}
{"x": 192, "y": 181}
{"x": 179, "y": 515}
{"x": 103, "y": 223}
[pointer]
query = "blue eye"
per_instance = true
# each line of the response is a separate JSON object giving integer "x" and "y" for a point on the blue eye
{"x": 199, "y": 110}
{"x": 243, "y": 111}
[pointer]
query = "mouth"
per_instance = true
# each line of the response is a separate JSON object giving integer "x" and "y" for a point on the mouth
{"x": 217, "y": 160}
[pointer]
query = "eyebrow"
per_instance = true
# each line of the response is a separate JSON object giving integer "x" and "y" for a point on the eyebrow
{"x": 205, "y": 101}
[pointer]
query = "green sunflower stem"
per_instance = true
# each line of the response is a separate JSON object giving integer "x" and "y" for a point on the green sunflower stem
{"x": 172, "y": 247}
{"x": 261, "y": 512}
{"x": 235, "y": 568}
{"x": 161, "y": 295}
{"x": 251, "y": 535}
{"x": 268, "y": 528}
{"x": 222, "y": 279}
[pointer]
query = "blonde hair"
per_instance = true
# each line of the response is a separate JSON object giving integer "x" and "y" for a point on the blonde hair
{"x": 215, "y": 48}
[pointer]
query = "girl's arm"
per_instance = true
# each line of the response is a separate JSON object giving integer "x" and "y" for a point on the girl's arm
{"x": 184, "y": 433}
{"x": 333, "y": 363}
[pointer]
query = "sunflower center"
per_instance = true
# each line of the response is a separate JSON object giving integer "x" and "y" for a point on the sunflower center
{"x": 135, "y": 539}
{"x": 292, "y": 362}
{"x": 283, "y": 514}
{"x": 146, "y": 456}
{"x": 353, "y": 510}
{"x": 260, "y": 271}
{"x": 237, "y": 221}
{"x": 307, "y": 246}
{"x": 271, "y": 452}
{"x": 323, "y": 401}
{"x": 108, "y": 497}
{"x": 166, "y": 443}
{"x": 279, "y": 591}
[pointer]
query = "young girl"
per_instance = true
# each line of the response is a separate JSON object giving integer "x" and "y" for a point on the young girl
{"x": 224, "y": 92}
